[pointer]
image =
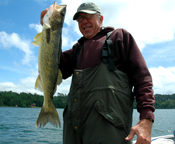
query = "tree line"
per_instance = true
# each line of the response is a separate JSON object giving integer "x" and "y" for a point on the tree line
{"x": 28, "y": 99}
{"x": 9, "y": 98}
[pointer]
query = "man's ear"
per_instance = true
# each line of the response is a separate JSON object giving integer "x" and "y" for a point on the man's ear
{"x": 101, "y": 19}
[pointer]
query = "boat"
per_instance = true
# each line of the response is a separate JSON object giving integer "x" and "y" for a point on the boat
{"x": 167, "y": 139}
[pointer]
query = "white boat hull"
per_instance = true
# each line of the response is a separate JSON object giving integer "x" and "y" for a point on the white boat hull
{"x": 168, "y": 139}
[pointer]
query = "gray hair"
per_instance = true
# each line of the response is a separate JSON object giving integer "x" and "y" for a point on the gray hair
{"x": 99, "y": 14}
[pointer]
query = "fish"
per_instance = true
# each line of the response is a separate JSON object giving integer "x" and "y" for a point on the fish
{"x": 50, "y": 43}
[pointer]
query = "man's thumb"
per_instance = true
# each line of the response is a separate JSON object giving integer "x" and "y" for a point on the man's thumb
{"x": 130, "y": 136}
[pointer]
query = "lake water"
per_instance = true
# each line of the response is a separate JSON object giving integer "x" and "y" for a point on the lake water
{"x": 17, "y": 125}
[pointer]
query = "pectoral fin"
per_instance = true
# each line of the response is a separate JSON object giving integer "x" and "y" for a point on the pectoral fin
{"x": 59, "y": 80}
{"x": 38, "y": 84}
{"x": 37, "y": 39}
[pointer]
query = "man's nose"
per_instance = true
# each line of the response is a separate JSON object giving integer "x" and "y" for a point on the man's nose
{"x": 84, "y": 20}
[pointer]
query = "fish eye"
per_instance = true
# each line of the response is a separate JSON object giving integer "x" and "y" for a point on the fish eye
{"x": 62, "y": 13}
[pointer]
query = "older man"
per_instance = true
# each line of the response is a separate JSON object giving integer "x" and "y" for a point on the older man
{"x": 100, "y": 102}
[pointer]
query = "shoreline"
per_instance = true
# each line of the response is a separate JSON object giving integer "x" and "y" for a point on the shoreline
{"x": 21, "y": 107}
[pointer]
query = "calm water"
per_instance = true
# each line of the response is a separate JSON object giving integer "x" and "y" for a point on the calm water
{"x": 17, "y": 125}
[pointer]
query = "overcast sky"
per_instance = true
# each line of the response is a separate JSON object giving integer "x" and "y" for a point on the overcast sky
{"x": 151, "y": 23}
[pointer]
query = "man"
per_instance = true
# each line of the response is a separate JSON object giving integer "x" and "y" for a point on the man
{"x": 100, "y": 101}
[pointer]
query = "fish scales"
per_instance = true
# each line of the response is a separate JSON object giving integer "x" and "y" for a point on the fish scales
{"x": 50, "y": 42}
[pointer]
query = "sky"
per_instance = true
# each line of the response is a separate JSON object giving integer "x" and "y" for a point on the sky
{"x": 151, "y": 23}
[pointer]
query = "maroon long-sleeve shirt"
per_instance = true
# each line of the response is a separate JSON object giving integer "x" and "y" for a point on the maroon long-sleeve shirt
{"x": 127, "y": 58}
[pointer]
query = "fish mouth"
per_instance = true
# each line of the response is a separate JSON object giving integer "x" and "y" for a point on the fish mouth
{"x": 64, "y": 5}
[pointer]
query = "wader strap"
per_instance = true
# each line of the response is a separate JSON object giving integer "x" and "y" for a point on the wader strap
{"x": 107, "y": 53}
{"x": 108, "y": 35}
{"x": 110, "y": 55}
{"x": 78, "y": 52}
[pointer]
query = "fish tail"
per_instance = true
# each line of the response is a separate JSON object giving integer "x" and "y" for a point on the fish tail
{"x": 48, "y": 115}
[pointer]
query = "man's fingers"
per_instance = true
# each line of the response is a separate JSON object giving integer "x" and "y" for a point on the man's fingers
{"x": 131, "y": 135}
{"x": 140, "y": 140}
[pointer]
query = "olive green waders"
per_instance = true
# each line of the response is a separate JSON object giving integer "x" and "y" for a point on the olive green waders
{"x": 99, "y": 107}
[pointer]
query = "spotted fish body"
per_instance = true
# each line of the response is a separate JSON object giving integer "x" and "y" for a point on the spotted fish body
{"x": 49, "y": 42}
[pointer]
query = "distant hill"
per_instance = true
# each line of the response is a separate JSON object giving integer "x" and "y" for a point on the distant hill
{"x": 29, "y": 100}
{"x": 9, "y": 98}
{"x": 165, "y": 101}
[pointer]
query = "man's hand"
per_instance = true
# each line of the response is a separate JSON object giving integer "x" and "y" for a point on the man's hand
{"x": 42, "y": 15}
{"x": 143, "y": 132}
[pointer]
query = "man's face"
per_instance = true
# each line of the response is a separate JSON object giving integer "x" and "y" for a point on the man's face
{"x": 90, "y": 27}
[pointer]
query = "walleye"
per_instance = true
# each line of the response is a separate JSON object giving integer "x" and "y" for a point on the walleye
{"x": 49, "y": 42}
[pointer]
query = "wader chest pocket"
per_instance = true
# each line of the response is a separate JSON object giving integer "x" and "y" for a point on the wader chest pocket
{"x": 109, "y": 113}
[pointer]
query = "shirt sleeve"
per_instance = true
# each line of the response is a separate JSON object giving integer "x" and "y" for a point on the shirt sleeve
{"x": 140, "y": 78}
{"x": 66, "y": 63}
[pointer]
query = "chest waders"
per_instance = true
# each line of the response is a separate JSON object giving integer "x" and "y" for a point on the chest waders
{"x": 99, "y": 106}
